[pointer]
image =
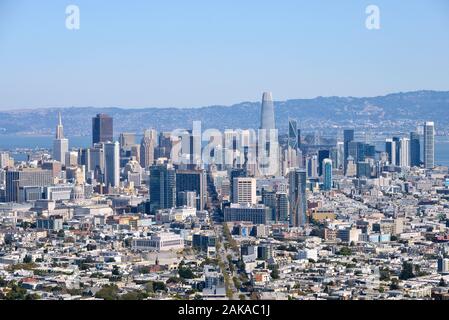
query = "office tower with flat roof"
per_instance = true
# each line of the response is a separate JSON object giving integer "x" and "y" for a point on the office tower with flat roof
{"x": 397, "y": 143}
{"x": 97, "y": 161}
{"x": 322, "y": 154}
{"x": 162, "y": 187}
{"x": 126, "y": 140}
{"x": 186, "y": 199}
{"x": 429, "y": 145}
{"x": 256, "y": 214}
{"x": 18, "y": 180}
{"x": 4, "y": 160}
{"x": 404, "y": 152}
{"x": 164, "y": 147}
{"x": 282, "y": 207}
{"x": 193, "y": 180}
{"x": 71, "y": 159}
{"x": 415, "y": 149}
{"x": 363, "y": 169}
{"x": 327, "y": 169}
{"x": 60, "y": 144}
{"x": 340, "y": 155}
{"x": 244, "y": 191}
{"x": 297, "y": 196}
{"x": 147, "y": 148}
{"x": 269, "y": 199}
{"x": 112, "y": 164}
{"x": 312, "y": 167}
{"x": 390, "y": 149}
{"x": 348, "y": 136}
{"x": 235, "y": 173}
{"x": 102, "y": 128}
{"x": 84, "y": 158}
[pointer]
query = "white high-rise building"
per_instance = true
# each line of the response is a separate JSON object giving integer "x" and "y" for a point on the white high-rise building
{"x": 429, "y": 145}
{"x": 390, "y": 148}
{"x": 312, "y": 167}
{"x": 244, "y": 191}
{"x": 340, "y": 155}
{"x": 71, "y": 159}
{"x": 4, "y": 160}
{"x": 147, "y": 146}
{"x": 112, "y": 164}
{"x": 60, "y": 144}
{"x": 267, "y": 121}
{"x": 404, "y": 152}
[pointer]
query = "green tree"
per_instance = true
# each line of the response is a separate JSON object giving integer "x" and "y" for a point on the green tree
{"x": 149, "y": 287}
{"x": 108, "y": 292}
{"x": 345, "y": 251}
{"x": 134, "y": 296}
{"x": 275, "y": 272}
{"x": 237, "y": 283}
{"x": 16, "y": 292}
{"x": 407, "y": 271}
{"x": 384, "y": 274}
{"x": 159, "y": 286}
{"x": 394, "y": 285}
{"x": 27, "y": 259}
{"x": 186, "y": 273}
{"x": 116, "y": 271}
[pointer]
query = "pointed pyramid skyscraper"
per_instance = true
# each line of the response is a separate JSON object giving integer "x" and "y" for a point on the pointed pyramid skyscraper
{"x": 59, "y": 128}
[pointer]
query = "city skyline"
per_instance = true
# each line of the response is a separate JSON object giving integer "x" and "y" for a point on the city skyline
{"x": 230, "y": 215}
{"x": 264, "y": 197}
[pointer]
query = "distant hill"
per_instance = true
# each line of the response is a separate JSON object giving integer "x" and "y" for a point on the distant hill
{"x": 386, "y": 110}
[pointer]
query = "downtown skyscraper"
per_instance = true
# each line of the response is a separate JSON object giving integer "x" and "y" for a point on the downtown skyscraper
{"x": 429, "y": 145}
{"x": 293, "y": 134}
{"x": 267, "y": 121}
{"x": 348, "y": 136}
{"x": 297, "y": 195}
{"x": 327, "y": 173}
{"x": 415, "y": 149}
{"x": 268, "y": 144}
{"x": 112, "y": 164}
{"x": 102, "y": 128}
{"x": 162, "y": 187}
{"x": 60, "y": 144}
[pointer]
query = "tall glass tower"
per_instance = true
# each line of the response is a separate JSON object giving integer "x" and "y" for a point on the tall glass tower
{"x": 348, "y": 136}
{"x": 112, "y": 164}
{"x": 267, "y": 118}
{"x": 429, "y": 145}
{"x": 327, "y": 170}
{"x": 415, "y": 149}
{"x": 297, "y": 195}
{"x": 102, "y": 129}
{"x": 293, "y": 134}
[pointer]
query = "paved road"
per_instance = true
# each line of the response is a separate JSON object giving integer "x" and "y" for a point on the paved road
{"x": 223, "y": 253}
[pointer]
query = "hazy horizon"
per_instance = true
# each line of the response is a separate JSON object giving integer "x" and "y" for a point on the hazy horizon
{"x": 213, "y": 105}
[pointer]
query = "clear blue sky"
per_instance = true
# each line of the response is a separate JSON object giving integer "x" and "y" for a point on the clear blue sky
{"x": 182, "y": 53}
